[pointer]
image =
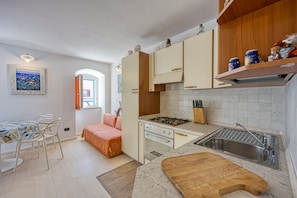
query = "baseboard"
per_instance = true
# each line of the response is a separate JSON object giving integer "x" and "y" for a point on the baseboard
{"x": 28, "y": 146}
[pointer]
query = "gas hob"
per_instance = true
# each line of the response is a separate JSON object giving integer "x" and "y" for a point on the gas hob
{"x": 169, "y": 121}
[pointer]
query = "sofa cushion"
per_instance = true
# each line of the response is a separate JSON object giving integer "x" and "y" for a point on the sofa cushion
{"x": 119, "y": 123}
{"x": 109, "y": 119}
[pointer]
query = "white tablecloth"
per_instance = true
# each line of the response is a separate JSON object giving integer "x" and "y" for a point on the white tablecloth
{"x": 13, "y": 131}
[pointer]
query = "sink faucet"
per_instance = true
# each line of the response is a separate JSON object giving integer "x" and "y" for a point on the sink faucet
{"x": 264, "y": 145}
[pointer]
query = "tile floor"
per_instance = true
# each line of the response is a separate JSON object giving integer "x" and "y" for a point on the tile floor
{"x": 71, "y": 177}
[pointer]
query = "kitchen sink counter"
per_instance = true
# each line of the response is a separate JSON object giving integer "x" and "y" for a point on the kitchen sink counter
{"x": 150, "y": 181}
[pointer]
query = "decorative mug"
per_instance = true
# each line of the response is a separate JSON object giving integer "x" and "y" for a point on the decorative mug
{"x": 233, "y": 63}
{"x": 251, "y": 57}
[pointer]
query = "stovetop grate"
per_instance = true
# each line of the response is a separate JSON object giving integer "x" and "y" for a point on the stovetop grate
{"x": 169, "y": 121}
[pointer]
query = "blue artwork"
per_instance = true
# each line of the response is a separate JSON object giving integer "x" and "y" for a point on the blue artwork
{"x": 27, "y": 79}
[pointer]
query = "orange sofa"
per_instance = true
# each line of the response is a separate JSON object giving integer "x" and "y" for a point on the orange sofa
{"x": 106, "y": 137}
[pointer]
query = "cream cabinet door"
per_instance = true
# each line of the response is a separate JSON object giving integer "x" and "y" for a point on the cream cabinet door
{"x": 169, "y": 64}
{"x": 141, "y": 142}
{"x": 181, "y": 138}
{"x": 130, "y": 124}
{"x": 130, "y": 104}
{"x": 153, "y": 87}
{"x": 198, "y": 61}
{"x": 130, "y": 72}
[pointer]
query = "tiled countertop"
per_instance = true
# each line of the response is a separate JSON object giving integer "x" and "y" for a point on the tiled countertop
{"x": 150, "y": 181}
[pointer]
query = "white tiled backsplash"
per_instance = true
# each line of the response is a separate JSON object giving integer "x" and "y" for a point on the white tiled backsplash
{"x": 259, "y": 108}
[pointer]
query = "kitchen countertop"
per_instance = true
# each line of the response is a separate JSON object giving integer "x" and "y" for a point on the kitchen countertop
{"x": 150, "y": 181}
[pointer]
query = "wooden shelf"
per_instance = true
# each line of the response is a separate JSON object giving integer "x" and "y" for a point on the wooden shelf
{"x": 283, "y": 68}
{"x": 238, "y": 8}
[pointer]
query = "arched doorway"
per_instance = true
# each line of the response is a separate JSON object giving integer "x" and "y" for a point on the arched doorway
{"x": 86, "y": 113}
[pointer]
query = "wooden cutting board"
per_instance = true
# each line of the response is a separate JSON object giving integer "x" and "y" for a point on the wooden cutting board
{"x": 210, "y": 175}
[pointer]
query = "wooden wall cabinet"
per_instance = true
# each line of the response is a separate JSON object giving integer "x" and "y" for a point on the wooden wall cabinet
{"x": 136, "y": 100}
{"x": 258, "y": 25}
{"x": 198, "y": 61}
{"x": 169, "y": 64}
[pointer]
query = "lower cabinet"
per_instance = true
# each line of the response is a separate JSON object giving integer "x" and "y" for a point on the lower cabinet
{"x": 141, "y": 142}
{"x": 181, "y": 138}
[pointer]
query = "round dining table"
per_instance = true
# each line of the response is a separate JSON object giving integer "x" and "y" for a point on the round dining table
{"x": 12, "y": 131}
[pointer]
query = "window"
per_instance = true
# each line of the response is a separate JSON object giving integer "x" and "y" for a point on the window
{"x": 86, "y": 91}
{"x": 89, "y": 89}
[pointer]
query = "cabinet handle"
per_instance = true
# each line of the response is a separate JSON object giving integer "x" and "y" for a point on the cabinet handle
{"x": 222, "y": 83}
{"x": 134, "y": 89}
{"x": 182, "y": 134}
{"x": 189, "y": 87}
{"x": 134, "y": 92}
{"x": 176, "y": 69}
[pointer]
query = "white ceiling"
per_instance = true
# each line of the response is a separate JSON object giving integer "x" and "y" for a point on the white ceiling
{"x": 99, "y": 30}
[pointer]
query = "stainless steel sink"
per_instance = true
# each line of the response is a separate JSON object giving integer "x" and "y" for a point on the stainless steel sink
{"x": 241, "y": 144}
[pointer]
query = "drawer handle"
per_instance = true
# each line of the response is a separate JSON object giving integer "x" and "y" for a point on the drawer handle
{"x": 189, "y": 87}
{"x": 182, "y": 134}
{"x": 176, "y": 69}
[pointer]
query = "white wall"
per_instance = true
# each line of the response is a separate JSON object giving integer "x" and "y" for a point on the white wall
{"x": 116, "y": 96}
{"x": 87, "y": 116}
{"x": 59, "y": 98}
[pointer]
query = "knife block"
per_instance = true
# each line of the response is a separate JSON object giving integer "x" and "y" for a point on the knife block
{"x": 199, "y": 115}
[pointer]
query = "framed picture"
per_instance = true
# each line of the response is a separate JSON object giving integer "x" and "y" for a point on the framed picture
{"x": 27, "y": 80}
{"x": 119, "y": 83}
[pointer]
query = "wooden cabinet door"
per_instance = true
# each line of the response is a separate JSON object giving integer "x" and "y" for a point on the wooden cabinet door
{"x": 77, "y": 92}
{"x": 217, "y": 83}
{"x": 198, "y": 61}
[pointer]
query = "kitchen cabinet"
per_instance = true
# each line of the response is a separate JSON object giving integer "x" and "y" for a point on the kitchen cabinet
{"x": 153, "y": 87}
{"x": 169, "y": 64}
{"x": 141, "y": 142}
{"x": 136, "y": 100}
{"x": 198, "y": 61}
{"x": 216, "y": 83}
{"x": 181, "y": 138}
{"x": 255, "y": 25}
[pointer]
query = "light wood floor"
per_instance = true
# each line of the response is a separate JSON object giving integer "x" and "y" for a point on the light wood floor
{"x": 71, "y": 177}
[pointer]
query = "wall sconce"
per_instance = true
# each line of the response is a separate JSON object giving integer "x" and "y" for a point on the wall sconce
{"x": 119, "y": 68}
{"x": 27, "y": 58}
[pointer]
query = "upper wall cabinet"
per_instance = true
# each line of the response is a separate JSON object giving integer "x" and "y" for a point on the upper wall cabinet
{"x": 198, "y": 61}
{"x": 153, "y": 87}
{"x": 169, "y": 64}
{"x": 254, "y": 24}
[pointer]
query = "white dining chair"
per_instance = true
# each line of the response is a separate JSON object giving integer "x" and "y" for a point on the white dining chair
{"x": 31, "y": 137}
{"x": 44, "y": 117}
{"x": 51, "y": 133}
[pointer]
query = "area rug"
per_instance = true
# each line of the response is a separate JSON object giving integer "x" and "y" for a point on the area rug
{"x": 119, "y": 182}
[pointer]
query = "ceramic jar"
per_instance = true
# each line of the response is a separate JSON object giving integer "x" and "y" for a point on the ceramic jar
{"x": 233, "y": 63}
{"x": 251, "y": 57}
